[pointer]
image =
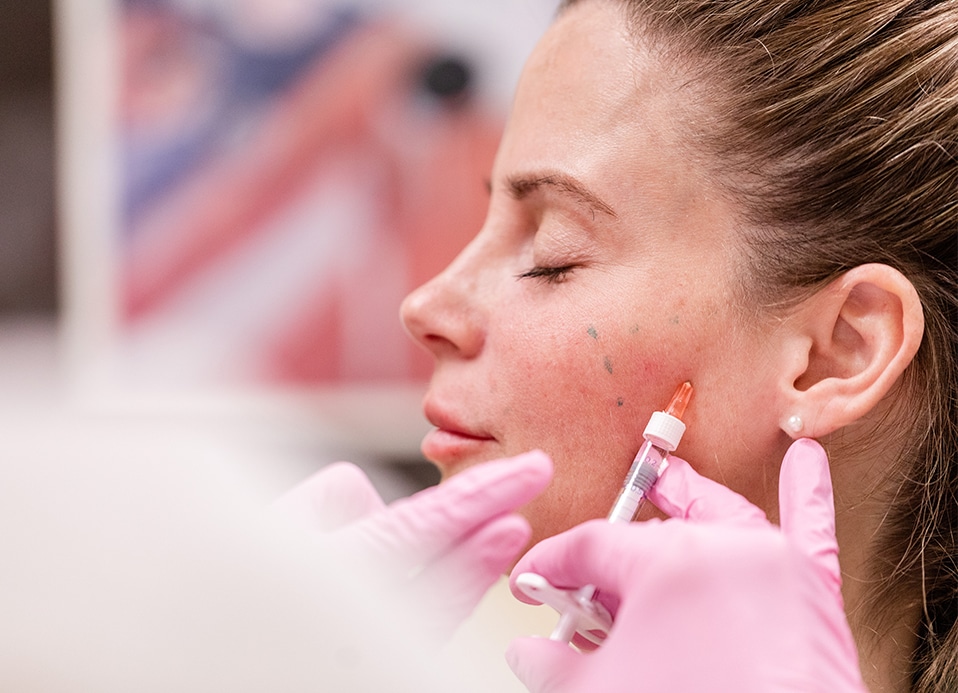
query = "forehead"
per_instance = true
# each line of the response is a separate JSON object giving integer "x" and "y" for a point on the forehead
{"x": 585, "y": 71}
{"x": 592, "y": 102}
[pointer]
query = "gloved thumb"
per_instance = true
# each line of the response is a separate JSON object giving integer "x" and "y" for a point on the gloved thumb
{"x": 807, "y": 507}
{"x": 543, "y": 665}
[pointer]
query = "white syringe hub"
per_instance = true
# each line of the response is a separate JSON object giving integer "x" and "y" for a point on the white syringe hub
{"x": 664, "y": 431}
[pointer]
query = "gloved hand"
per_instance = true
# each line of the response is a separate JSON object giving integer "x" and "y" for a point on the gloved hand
{"x": 444, "y": 546}
{"x": 715, "y": 598}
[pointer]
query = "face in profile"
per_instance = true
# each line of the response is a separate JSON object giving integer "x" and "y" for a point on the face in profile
{"x": 606, "y": 273}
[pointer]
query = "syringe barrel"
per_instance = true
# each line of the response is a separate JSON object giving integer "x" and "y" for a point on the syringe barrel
{"x": 644, "y": 473}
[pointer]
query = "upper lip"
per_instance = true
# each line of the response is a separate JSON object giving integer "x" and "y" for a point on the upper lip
{"x": 442, "y": 419}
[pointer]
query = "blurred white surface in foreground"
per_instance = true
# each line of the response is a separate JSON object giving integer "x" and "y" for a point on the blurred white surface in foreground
{"x": 134, "y": 555}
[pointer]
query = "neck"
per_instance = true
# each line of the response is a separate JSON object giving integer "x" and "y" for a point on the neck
{"x": 885, "y": 633}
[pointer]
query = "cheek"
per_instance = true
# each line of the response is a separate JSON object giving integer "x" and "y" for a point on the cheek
{"x": 585, "y": 400}
{"x": 572, "y": 384}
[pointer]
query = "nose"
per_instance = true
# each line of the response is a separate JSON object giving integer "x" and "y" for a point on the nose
{"x": 444, "y": 314}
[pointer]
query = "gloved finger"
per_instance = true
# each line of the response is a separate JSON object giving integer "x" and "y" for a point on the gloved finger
{"x": 683, "y": 493}
{"x": 333, "y": 497}
{"x": 594, "y": 553}
{"x": 807, "y": 506}
{"x": 415, "y": 530}
{"x": 543, "y": 665}
{"x": 454, "y": 584}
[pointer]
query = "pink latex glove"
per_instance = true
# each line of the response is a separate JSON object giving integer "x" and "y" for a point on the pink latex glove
{"x": 444, "y": 546}
{"x": 715, "y": 598}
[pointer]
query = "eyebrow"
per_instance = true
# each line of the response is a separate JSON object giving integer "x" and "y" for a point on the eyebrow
{"x": 522, "y": 186}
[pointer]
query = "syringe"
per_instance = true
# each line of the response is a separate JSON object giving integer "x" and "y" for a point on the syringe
{"x": 577, "y": 608}
{"x": 662, "y": 435}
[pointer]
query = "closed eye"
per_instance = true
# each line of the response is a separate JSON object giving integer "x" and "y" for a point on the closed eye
{"x": 550, "y": 275}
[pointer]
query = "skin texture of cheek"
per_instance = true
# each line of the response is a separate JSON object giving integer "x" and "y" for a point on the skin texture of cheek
{"x": 588, "y": 475}
{"x": 591, "y": 421}
{"x": 627, "y": 371}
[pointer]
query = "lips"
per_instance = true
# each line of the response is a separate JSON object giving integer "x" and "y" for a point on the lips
{"x": 452, "y": 442}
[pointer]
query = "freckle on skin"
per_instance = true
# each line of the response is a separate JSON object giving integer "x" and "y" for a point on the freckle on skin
{"x": 608, "y": 364}
{"x": 636, "y": 329}
{"x": 674, "y": 320}
{"x": 620, "y": 402}
{"x": 593, "y": 333}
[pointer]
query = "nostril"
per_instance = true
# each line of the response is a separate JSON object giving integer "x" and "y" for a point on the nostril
{"x": 436, "y": 343}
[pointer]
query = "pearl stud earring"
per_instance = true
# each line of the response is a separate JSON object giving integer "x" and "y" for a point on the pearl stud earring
{"x": 795, "y": 423}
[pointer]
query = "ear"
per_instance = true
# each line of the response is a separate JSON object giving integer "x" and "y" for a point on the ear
{"x": 848, "y": 344}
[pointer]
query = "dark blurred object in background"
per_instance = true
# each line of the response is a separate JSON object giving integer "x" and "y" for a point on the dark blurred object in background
{"x": 27, "y": 219}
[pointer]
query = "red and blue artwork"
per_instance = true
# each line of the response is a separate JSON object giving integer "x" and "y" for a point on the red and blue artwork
{"x": 289, "y": 172}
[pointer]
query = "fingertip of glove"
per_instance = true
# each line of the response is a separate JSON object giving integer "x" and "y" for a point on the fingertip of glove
{"x": 540, "y": 663}
{"x": 532, "y": 470}
{"x": 511, "y": 533}
{"x": 532, "y": 466}
{"x": 806, "y": 447}
{"x": 805, "y": 458}
{"x": 537, "y": 461}
{"x": 805, "y": 499}
{"x": 342, "y": 467}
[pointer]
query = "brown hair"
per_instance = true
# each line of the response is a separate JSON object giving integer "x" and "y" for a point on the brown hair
{"x": 835, "y": 123}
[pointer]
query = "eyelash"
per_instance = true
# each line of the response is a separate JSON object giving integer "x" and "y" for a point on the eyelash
{"x": 549, "y": 275}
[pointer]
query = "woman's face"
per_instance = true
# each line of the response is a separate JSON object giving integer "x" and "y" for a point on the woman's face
{"x": 602, "y": 278}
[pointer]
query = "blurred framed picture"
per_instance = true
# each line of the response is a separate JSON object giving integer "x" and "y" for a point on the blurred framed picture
{"x": 250, "y": 188}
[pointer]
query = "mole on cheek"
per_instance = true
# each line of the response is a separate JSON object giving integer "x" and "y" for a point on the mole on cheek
{"x": 592, "y": 332}
{"x": 607, "y": 362}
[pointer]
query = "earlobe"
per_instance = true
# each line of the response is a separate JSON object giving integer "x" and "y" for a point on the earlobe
{"x": 852, "y": 341}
